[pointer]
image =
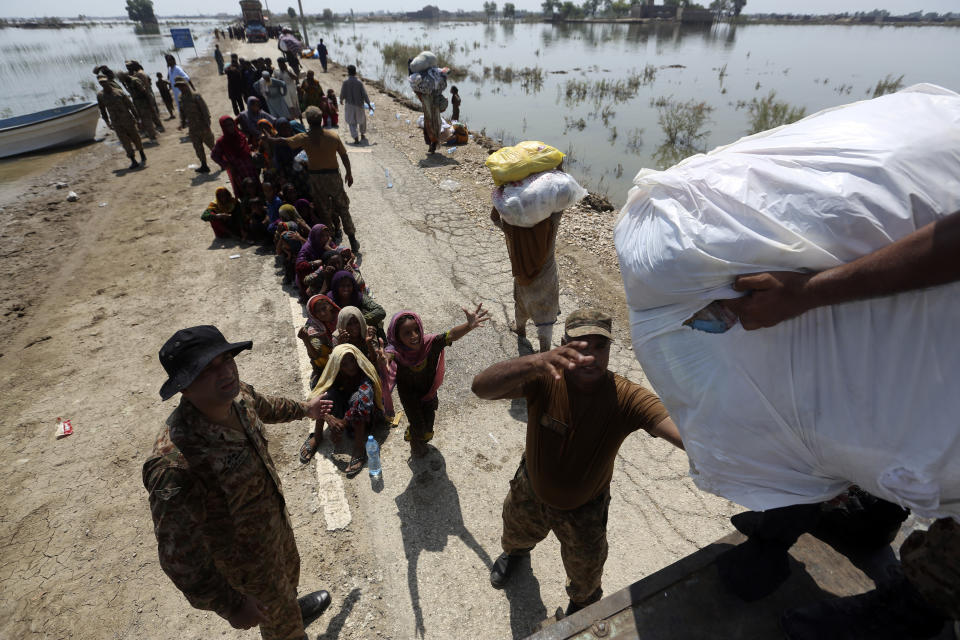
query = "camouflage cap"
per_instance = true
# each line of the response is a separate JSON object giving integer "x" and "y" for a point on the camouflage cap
{"x": 588, "y": 322}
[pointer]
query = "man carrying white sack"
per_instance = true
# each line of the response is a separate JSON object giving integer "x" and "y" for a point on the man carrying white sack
{"x": 916, "y": 603}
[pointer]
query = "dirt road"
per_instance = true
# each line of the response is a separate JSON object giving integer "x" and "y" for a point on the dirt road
{"x": 92, "y": 291}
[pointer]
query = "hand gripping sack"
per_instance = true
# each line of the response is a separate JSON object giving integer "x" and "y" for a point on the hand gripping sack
{"x": 533, "y": 199}
{"x": 853, "y": 393}
{"x": 511, "y": 164}
{"x": 423, "y": 61}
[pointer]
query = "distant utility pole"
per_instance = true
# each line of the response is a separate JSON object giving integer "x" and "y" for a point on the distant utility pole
{"x": 303, "y": 25}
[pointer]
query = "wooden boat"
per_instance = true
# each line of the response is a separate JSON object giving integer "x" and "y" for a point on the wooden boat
{"x": 49, "y": 128}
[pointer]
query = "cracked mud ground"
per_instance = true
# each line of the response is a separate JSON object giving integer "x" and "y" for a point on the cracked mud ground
{"x": 91, "y": 292}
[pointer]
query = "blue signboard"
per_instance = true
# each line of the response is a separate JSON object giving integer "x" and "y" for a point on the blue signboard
{"x": 182, "y": 38}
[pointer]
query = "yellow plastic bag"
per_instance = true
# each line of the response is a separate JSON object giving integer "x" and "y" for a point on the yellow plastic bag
{"x": 511, "y": 164}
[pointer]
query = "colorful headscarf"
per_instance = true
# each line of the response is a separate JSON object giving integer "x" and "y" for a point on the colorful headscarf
{"x": 218, "y": 206}
{"x": 233, "y": 142}
{"x": 332, "y": 370}
{"x": 270, "y": 128}
{"x": 313, "y": 318}
{"x": 304, "y": 207}
{"x": 347, "y": 314}
{"x": 314, "y": 247}
{"x": 356, "y": 299}
{"x": 404, "y": 356}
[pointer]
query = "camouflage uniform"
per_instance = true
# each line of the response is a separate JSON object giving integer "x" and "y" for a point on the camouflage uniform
{"x": 120, "y": 111}
{"x": 219, "y": 514}
{"x": 164, "y": 88}
{"x": 141, "y": 100}
{"x": 144, "y": 79}
{"x": 582, "y": 533}
{"x": 931, "y": 562}
{"x": 196, "y": 116}
{"x": 330, "y": 200}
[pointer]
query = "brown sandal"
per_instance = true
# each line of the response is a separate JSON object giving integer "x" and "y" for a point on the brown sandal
{"x": 308, "y": 450}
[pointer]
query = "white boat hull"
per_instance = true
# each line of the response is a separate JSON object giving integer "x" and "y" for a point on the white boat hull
{"x": 61, "y": 130}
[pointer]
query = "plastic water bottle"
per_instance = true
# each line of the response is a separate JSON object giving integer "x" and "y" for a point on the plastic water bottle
{"x": 373, "y": 457}
{"x": 386, "y": 172}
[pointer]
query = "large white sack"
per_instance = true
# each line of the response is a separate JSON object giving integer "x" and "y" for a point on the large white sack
{"x": 533, "y": 199}
{"x": 423, "y": 61}
{"x": 855, "y": 393}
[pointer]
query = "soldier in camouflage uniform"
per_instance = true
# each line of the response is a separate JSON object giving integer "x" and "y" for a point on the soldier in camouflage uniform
{"x": 219, "y": 513}
{"x": 121, "y": 116}
{"x": 195, "y": 115}
{"x": 141, "y": 101}
{"x": 136, "y": 70}
{"x": 579, "y": 414}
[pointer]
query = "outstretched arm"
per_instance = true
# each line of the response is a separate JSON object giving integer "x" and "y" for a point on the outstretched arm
{"x": 506, "y": 379}
{"x": 925, "y": 258}
{"x": 474, "y": 320}
{"x": 667, "y": 430}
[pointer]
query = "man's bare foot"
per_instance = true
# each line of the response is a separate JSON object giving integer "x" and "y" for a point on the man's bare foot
{"x": 521, "y": 331}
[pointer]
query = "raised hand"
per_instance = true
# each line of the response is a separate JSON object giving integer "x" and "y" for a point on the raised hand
{"x": 477, "y": 318}
{"x": 563, "y": 358}
{"x": 318, "y": 408}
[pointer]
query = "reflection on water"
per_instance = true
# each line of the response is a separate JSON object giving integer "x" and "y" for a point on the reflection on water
{"x": 44, "y": 68}
{"x": 592, "y": 89}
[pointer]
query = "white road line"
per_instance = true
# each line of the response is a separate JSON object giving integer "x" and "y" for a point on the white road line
{"x": 330, "y": 490}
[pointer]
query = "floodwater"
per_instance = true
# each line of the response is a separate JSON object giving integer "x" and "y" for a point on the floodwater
{"x": 592, "y": 90}
{"x": 612, "y": 132}
{"x": 46, "y": 68}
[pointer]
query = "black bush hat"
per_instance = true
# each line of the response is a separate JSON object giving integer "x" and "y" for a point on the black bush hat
{"x": 189, "y": 351}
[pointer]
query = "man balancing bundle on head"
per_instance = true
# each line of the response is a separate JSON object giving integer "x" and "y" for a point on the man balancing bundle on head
{"x": 579, "y": 414}
{"x": 219, "y": 513}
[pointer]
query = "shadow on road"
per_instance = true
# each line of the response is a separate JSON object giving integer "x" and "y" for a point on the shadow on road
{"x": 336, "y": 622}
{"x": 429, "y": 510}
{"x": 527, "y": 609}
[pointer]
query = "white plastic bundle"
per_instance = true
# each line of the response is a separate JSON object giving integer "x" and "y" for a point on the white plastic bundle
{"x": 431, "y": 80}
{"x": 853, "y": 393}
{"x": 423, "y": 61}
{"x": 533, "y": 199}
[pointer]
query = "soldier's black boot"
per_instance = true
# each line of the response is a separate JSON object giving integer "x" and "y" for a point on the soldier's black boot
{"x": 354, "y": 243}
{"x": 312, "y": 606}
{"x": 143, "y": 157}
{"x": 133, "y": 163}
{"x": 757, "y": 567}
{"x": 573, "y": 607}
{"x": 894, "y": 611}
{"x": 503, "y": 566}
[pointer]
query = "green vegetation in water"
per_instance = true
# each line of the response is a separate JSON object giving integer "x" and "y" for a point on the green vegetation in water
{"x": 530, "y": 78}
{"x": 683, "y": 127}
{"x": 622, "y": 90}
{"x": 887, "y": 85}
{"x": 398, "y": 54}
{"x": 768, "y": 113}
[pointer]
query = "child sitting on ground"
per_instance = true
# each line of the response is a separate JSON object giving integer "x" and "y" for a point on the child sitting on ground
{"x": 352, "y": 383}
{"x": 415, "y": 365}
{"x": 317, "y": 333}
{"x": 224, "y": 215}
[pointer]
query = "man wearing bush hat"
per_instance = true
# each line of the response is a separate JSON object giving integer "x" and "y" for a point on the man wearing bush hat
{"x": 578, "y": 415}
{"x": 219, "y": 514}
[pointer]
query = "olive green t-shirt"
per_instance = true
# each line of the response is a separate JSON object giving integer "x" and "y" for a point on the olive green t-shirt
{"x": 322, "y": 152}
{"x": 572, "y": 442}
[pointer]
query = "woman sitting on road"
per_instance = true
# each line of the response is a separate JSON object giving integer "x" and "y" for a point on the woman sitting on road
{"x": 345, "y": 292}
{"x": 352, "y": 383}
{"x": 317, "y": 333}
{"x": 224, "y": 215}
{"x": 353, "y": 329}
{"x": 309, "y": 258}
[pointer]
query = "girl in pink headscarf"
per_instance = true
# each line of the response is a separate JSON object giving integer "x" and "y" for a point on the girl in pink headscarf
{"x": 415, "y": 366}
